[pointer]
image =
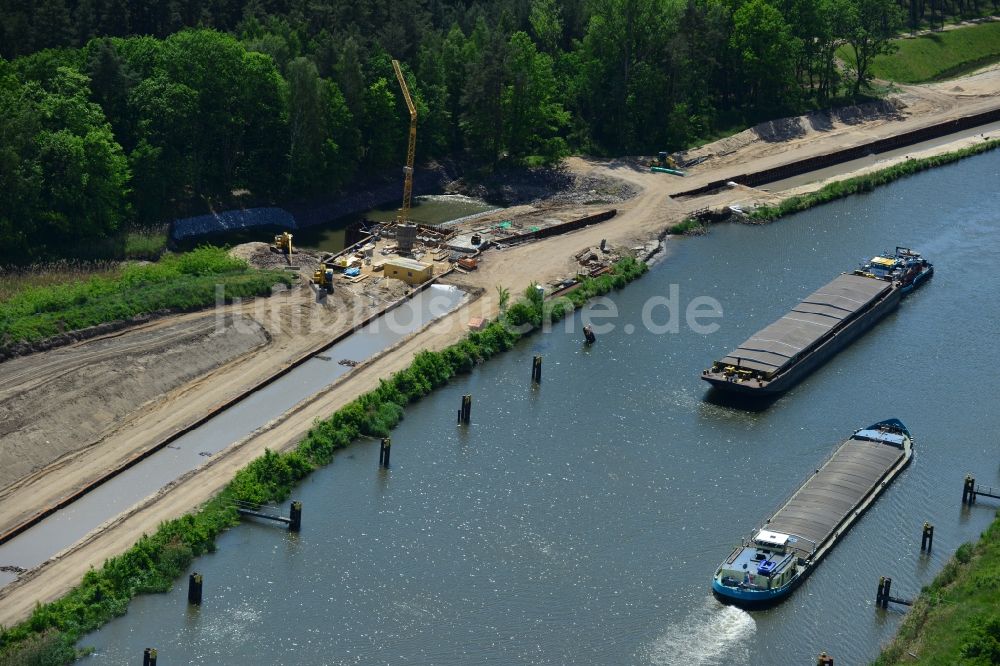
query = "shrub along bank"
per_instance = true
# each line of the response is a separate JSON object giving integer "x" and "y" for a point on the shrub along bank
{"x": 155, "y": 561}
{"x": 177, "y": 282}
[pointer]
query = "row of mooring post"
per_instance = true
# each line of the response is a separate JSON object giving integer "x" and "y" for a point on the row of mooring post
{"x": 536, "y": 370}
{"x": 465, "y": 413}
{"x": 383, "y": 452}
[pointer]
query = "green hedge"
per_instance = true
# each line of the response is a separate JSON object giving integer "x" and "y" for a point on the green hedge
{"x": 866, "y": 182}
{"x": 155, "y": 561}
{"x": 177, "y": 282}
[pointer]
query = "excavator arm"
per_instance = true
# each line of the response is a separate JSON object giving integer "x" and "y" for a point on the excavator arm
{"x": 411, "y": 146}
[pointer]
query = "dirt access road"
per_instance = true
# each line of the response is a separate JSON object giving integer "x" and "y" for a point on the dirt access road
{"x": 640, "y": 219}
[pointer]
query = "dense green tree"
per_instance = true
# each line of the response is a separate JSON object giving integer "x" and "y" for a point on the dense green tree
{"x": 625, "y": 87}
{"x": 455, "y": 54}
{"x": 163, "y": 160}
{"x": 63, "y": 176}
{"x": 533, "y": 116}
{"x": 110, "y": 83}
{"x": 546, "y": 24}
{"x": 349, "y": 74}
{"x": 236, "y": 135}
{"x": 322, "y": 136}
{"x": 482, "y": 119}
{"x": 870, "y": 25}
{"x": 431, "y": 98}
{"x": 382, "y": 147}
{"x": 20, "y": 173}
{"x": 53, "y": 24}
{"x": 766, "y": 52}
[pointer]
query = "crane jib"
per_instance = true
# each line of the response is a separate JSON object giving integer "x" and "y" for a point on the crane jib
{"x": 411, "y": 145}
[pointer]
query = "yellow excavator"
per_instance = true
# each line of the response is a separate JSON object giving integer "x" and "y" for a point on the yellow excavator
{"x": 282, "y": 243}
{"x": 663, "y": 160}
{"x": 411, "y": 147}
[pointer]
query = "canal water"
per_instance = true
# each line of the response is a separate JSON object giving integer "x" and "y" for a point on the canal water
{"x": 581, "y": 521}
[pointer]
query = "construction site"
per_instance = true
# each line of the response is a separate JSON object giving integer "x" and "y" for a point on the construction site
{"x": 80, "y": 414}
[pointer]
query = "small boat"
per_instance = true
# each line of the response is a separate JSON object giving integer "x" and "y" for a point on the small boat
{"x": 765, "y": 568}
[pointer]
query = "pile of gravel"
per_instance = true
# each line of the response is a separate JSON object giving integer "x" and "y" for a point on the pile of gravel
{"x": 515, "y": 187}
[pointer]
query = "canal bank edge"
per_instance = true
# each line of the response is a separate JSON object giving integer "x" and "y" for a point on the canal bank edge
{"x": 152, "y": 564}
{"x": 839, "y": 189}
{"x": 956, "y": 617}
{"x": 867, "y": 182}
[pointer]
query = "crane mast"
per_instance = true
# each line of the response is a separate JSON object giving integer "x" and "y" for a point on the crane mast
{"x": 411, "y": 147}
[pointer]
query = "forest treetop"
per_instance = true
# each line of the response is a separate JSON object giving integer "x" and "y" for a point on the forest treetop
{"x": 130, "y": 113}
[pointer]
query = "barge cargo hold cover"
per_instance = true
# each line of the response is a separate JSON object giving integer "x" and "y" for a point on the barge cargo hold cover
{"x": 778, "y": 356}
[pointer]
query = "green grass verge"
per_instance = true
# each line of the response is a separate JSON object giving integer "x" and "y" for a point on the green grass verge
{"x": 148, "y": 245}
{"x": 956, "y": 619}
{"x": 937, "y": 56}
{"x": 689, "y": 226}
{"x": 155, "y": 561}
{"x": 15, "y": 279}
{"x": 177, "y": 282}
{"x": 866, "y": 182}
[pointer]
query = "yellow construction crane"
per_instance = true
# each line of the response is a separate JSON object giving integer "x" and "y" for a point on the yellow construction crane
{"x": 404, "y": 212}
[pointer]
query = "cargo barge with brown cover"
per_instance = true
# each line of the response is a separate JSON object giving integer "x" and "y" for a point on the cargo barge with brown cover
{"x": 777, "y": 357}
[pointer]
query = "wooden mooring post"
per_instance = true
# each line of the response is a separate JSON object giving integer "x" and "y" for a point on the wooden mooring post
{"x": 588, "y": 335}
{"x": 536, "y": 370}
{"x": 294, "y": 519}
{"x": 824, "y": 659}
{"x": 883, "y": 596}
{"x": 465, "y": 413}
{"x": 194, "y": 588}
{"x": 927, "y": 538}
{"x": 971, "y": 492}
{"x": 383, "y": 452}
{"x": 149, "y": 657}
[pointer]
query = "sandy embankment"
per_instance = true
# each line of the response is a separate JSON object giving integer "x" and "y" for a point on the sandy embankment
{"x": 643, "y": 217}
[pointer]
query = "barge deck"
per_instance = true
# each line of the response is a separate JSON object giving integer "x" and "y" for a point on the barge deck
{"x": 843, "y": 488}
